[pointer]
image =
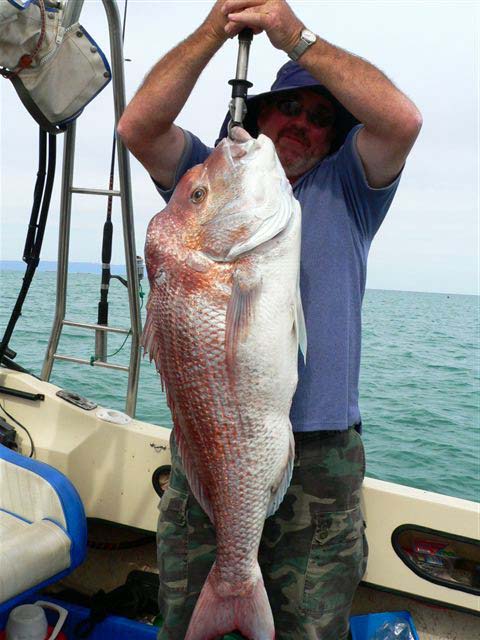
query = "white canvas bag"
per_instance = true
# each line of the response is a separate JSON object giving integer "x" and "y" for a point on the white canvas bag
{"x": 67, "y": 68}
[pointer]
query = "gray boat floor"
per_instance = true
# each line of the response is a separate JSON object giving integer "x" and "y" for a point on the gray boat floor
{"x": 432, "y": 622}
{"x": 108, "y": 568}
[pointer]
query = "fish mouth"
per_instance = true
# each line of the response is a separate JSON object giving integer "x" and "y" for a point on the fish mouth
{"x": 239, "y": 134}
{"x": 239, "y": 145}
{"x": 253, "y": 163}
{"x": 256, "y": 171}
{"x": 242, "y": 149}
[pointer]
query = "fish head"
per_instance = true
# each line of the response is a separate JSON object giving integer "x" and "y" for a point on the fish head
{"x": 236, "y": 200}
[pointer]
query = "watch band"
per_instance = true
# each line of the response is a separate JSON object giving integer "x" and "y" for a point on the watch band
{"x": 307, "y": 38}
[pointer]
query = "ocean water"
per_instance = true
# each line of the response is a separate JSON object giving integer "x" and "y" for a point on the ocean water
{"x": 419, "y": 378}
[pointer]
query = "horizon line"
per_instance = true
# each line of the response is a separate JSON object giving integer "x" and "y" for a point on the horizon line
{"x": 98, "y": 270}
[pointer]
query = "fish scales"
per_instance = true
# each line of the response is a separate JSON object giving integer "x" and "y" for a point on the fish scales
{"x": 223, "y": 325}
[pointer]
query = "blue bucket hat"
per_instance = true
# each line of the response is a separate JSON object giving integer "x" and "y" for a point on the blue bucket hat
{"x": 292, "y": 76}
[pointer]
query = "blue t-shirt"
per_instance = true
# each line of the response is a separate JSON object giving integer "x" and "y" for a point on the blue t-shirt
{"x": 340, "y": 215}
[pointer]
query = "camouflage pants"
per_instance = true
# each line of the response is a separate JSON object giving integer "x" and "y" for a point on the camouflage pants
{"x": 313, "y": 551}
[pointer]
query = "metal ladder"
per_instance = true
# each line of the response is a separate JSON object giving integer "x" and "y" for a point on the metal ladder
{"x": 71, "y": 15}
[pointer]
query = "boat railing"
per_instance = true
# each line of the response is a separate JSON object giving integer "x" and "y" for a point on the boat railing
{"x": 72, "y": 12}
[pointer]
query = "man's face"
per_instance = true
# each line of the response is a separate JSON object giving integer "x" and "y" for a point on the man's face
{"x": 300, "y": 124}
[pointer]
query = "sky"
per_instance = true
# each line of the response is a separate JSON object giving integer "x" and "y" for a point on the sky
{"x": 430, "y": 238}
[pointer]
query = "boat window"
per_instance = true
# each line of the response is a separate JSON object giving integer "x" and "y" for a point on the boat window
{"x": 442, "y": 558}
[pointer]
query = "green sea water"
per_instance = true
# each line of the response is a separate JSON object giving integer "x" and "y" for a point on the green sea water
{"x": 419, "y": 378}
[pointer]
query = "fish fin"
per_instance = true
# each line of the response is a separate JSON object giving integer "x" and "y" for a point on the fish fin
{"x": 240, "y": 311}
{"x": 269, "y": 226}
{"x": 216, "y": 614}
{"x": 191, "y": 473}
{"x": 150, "y": 340}
{"x": 279, "y": 489}
{"x": 300, "y": 326}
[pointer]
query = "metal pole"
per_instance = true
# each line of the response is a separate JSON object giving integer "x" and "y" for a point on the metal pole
{"x": 240, "y": 84}
{"x": 118, "y": 79}
{"x": 63, "y": 247}
{"x": 72, "y": 11}
{"x": 95, "y": 363}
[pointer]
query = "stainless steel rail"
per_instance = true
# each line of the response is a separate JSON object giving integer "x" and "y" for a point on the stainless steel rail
{"x": 96, "y": 192}
{"x": 116, "y": 48}
{"x": 72, "y": 11}
{"x": 63, "y": 249}
{"x": 94, "y": 363}
{"x": 95, "y": 327}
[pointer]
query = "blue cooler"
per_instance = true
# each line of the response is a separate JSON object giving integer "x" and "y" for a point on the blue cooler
{"x": 364, "y": 627}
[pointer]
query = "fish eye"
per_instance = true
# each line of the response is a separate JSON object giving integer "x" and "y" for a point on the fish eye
{"x": 198, "y": 195}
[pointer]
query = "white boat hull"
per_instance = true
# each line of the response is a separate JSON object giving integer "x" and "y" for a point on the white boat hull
{"x": 112, "y": 464}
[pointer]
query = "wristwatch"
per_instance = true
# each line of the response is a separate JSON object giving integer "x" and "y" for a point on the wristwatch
{"x": 307, "y": 38}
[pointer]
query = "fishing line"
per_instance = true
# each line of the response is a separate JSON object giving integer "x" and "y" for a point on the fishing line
{"x": 93, "y": 359}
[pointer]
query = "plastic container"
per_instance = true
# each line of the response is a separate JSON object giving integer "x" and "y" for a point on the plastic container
{"x": 112, "y": 628}
{"x": 118, "y": 628}
{"x": 29, "y": 621}
{"x": 364, "y": 627}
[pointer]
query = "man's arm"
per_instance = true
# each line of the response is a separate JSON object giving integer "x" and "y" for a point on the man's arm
{"x": 147, "y": 124}
{"x": 391, "y": 121}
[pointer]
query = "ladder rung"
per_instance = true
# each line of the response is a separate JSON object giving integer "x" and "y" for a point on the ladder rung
{"x": 96, "y": 363}
{"x": 95, "y": 327}
{"x": 95, "y": 192}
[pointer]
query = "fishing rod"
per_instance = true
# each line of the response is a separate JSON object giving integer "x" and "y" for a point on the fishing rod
{"x": 107, "y": 242}
{"x": 240, "y": 84}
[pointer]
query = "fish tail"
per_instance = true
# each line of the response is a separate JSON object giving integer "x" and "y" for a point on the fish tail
{"x": 216, "y": 614}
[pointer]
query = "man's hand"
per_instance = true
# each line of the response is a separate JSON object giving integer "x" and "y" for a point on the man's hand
{"x": 275, "y": 17}
{"x": 147, "y": 124}
{"x": 214, "y": 25}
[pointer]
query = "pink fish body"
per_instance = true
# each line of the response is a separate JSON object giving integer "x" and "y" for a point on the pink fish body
{"x": 224, "y": 324}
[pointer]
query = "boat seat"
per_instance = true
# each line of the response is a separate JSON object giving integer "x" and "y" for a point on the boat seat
{"x": 43, "y": 530}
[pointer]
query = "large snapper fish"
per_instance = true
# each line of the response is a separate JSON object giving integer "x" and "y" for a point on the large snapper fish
{"x": 224, "y": 323}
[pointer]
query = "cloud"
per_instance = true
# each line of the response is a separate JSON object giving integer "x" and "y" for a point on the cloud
{"x": 427, "y": 49}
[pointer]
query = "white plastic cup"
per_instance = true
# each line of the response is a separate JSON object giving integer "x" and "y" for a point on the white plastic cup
{"x": 27, "y": 622}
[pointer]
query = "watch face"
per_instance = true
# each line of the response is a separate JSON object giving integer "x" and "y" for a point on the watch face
{"x": 308, "y": 36}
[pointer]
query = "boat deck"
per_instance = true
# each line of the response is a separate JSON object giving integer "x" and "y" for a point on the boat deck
{"x": 107, "y": 569}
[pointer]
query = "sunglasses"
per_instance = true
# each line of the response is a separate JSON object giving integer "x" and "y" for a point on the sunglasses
{"x": 320, "y": 118}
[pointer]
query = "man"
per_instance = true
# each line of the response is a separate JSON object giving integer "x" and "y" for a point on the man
{"x": 313, "y": 551}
